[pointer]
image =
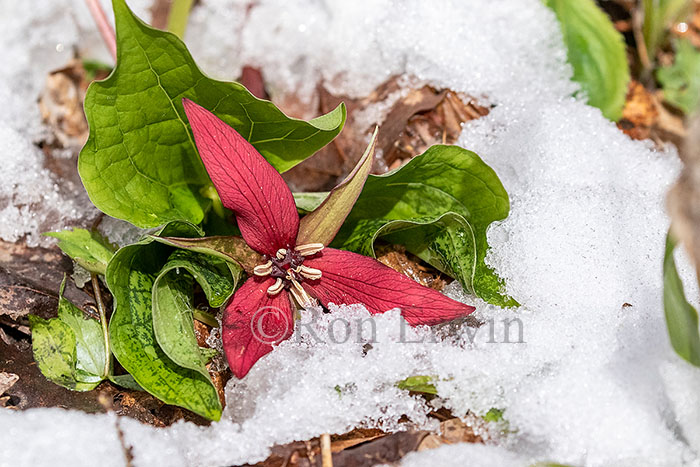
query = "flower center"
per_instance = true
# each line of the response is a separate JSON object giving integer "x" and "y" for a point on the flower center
{"x": 288, "y": 270}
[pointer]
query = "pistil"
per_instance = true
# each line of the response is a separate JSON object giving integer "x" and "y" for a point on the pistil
{"x": 289, "y": 272}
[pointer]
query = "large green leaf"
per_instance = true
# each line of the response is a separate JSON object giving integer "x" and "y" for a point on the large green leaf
{"x": 173, "y": 307}
{"x": 681, "y": 81}
{"x": 439, "y": 205}
{"x": 139, "y": 162}
{"x": 596, "y": 51}
{"x": 89, "y": 249}
{"x": 69, "y": 349}
{"x": 130, "y": 276}
{"x": 681, "y": 317}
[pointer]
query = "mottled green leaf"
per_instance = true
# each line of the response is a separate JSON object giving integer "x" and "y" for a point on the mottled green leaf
{"x": 126, "y": 381}
{"x": 439, "y": 204}
{"x": 681, "y": 81}
{"x": 89, "y": 249}
{"x": 449, "y": 244}
{"x": 322, "y": 224}
{"x": 173, "y": 302}
{"x": 422, "y": 383}
{"x": 681, "y": 317}
{"x": 69, "y": 349}
{"x": 596, "y": 51}
{"x": 130, "y": 276}
{"x": 90, "y": 344}
{"x": 139, "y": 162}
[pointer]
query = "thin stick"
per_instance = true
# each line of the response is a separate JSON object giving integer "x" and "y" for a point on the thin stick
{"x": 103, "y": 320}
{"x": 326, "y": 455}
{"x": 103, "y": 26}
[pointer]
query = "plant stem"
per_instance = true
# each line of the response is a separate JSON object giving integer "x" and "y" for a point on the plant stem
{"x": 103, "y": 26}
{"x": 326, "y": 455}
{"x": 177, "y": 19}
{"x": 205, "y": 318}
{"x": 103, "y": 321}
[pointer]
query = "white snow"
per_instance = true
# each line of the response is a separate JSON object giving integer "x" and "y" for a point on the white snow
{"x": 595, "y": 381}
{"x": 58, "y": 437}
{"x": 34, "y": 42}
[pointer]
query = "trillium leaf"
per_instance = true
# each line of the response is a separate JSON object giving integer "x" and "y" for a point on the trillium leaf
{"x": 89, "y": 249}
{"x": 448, "y": 243}
{"x": 231, "y": 249}
{"x": 681, "y": 81}
{"x": 596, "y": 51}
{"x": 440, "y": 205}
{"x": 681, "y": 317}
{"x": 172, "y": 302}
{"x": 53, "y": 343}
{"x": 126, "y": 381}
{"x": 307, "y": 202}
{"x": 130, "y": 276}
{"x": 139, "y": 162}
{"x": 69, "y": 349}
{"x": 322, "y": 224}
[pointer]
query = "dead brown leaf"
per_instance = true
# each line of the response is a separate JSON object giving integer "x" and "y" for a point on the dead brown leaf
{"x": 669, "y": 125}
{"x": 29, "y": 282}
{"x": 416, "y": 119}
{"x": 61, "y": 104}
{"x": 427, "y": 124}
{"x": 7, "y": 380}
{"x": 640, "y": 112}
{"x": 396, "y": 257}
{"x": 452, "y": 431}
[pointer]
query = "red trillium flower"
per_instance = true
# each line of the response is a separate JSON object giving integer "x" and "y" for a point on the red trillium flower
{"x": 291, "y": 271}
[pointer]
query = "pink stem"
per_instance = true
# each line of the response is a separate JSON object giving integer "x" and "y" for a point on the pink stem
{"x": 103, "y": 26}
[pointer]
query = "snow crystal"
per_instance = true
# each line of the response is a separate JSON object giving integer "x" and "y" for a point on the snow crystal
{"x": 583, "y": 369}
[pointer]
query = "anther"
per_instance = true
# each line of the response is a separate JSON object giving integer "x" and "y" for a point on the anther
{"x": 263, "y": 269}
{"x": 300, "y": 295}
{"x": 309, "y": 249}
{"x": 276, "y": 288}
{"x": 309, "y": 273}
{"x": 281, "y": 253}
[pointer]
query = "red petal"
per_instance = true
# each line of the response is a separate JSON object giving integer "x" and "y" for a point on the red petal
{"x": 246, "y": 182}
{"x": 253, "y": 321}
{"x": 351, "y": 278}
